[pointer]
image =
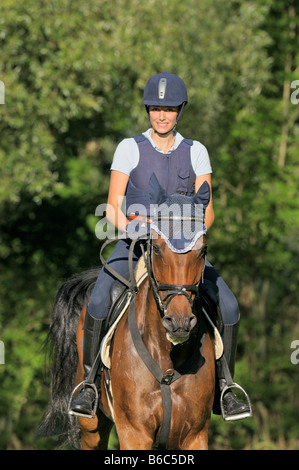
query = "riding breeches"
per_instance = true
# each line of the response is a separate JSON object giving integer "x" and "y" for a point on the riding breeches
{"x": 99, "y": 302}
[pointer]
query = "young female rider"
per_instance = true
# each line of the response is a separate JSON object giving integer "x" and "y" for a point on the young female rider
{"x": 180, "y": 165}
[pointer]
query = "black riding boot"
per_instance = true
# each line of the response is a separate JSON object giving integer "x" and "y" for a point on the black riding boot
{"x": 94, "y": 330}
{"x": 232, "y": 408}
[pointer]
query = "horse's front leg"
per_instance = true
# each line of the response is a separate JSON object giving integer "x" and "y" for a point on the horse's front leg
{"x": 95, "y": 432}
{"x": 197, "y": 441}
{"x": 130, "y": 437}
{"x": 135, "y": 441}
{"x": 90, "y": 438}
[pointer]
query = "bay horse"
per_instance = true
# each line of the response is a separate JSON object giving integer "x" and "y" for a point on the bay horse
{"x": 162, "y": 357}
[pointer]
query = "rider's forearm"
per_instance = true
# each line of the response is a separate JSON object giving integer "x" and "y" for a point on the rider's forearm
{"x": 116, "y": 217}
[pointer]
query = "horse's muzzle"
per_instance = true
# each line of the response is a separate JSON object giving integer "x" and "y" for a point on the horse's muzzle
{"x": 178, "y": 328}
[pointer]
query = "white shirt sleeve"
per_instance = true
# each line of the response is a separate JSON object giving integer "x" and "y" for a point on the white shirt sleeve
{"x": 126, "y": 156}
{"x": 200, "y": 159}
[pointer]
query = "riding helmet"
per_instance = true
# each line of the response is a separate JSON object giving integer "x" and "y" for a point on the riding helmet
{"x": 165, "y": 89}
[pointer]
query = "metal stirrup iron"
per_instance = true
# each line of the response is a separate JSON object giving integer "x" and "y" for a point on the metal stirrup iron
{"x": 95, "y": 406}
{"x": 229, "y": 385}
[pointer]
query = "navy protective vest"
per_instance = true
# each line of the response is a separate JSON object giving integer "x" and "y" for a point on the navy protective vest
{"x": 174, "y": 172}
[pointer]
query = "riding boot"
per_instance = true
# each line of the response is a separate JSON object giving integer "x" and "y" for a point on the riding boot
{"x": 94, "y": 331}
{"x": 232, "y": 407}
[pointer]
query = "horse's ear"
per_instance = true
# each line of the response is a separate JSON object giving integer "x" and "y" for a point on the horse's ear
{"x": 203, "y": 195}
{"x": 158, "y": 195}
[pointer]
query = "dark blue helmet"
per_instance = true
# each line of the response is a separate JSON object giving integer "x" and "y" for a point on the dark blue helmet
{"x": 165, "y": 89}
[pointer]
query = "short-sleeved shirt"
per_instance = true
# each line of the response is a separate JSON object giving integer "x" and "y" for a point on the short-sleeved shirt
{"x": 126, "y": 156}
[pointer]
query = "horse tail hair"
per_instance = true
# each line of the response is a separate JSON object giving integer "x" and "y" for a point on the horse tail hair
{"x": 61, "y": 349}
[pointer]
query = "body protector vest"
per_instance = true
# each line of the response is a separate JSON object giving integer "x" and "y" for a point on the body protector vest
{"x": 174, "y": 172}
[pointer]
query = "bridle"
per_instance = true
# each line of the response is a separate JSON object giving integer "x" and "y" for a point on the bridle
{"x": 168, "y": 291}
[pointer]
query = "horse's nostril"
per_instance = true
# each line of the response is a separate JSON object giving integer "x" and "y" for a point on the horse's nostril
{"x": 168, "y": 323}
{"x": 193, "y": 321}
{"x": 182, "y": 324}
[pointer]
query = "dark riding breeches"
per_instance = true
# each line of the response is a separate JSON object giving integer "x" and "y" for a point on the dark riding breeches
{"x": 99, "y": 302}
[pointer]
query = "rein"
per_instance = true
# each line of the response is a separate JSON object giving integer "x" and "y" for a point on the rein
{"x": 131, "y": 283}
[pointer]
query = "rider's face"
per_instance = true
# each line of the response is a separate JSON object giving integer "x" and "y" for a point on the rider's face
{"x": 163, "y": 118}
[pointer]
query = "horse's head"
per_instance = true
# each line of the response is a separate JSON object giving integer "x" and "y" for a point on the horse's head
{"x": 177, "y": 250}
{"x": 175, "y": 279}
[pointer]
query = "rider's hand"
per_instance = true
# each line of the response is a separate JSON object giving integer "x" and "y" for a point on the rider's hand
{"x": 138, "y": 227}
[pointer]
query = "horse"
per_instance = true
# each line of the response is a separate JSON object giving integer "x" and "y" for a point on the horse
{"x": 162, "y": 358}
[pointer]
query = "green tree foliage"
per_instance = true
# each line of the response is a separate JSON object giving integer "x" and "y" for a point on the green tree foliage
{"x": 74, "y": 74}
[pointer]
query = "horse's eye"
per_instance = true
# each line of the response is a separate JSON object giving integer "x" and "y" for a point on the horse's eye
{"x": 203, "y": 251}
{"x": 156, "y": 249}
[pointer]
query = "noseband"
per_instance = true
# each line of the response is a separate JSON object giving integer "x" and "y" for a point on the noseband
{"x": 168, "y": 291}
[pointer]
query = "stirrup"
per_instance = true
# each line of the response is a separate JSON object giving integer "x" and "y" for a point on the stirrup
{"x": 95, "y": 406}
{"x": 245, "y": 414}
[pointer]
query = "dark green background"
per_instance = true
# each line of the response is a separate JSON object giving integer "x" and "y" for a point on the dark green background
{"x": 74, "y": 74}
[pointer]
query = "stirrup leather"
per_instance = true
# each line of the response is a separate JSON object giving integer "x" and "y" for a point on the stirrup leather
{"x": 242, "y": 415}
{"x": 95, "y": 406}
